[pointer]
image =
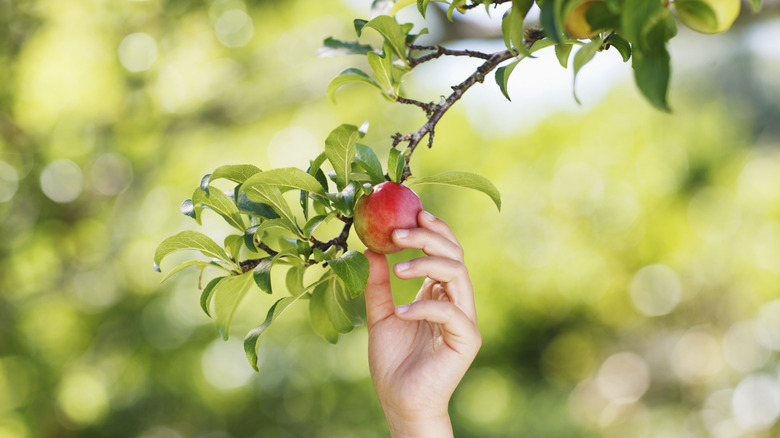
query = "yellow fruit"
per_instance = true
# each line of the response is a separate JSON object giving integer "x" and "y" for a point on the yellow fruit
{"x": 693, "y": 14}
{"x": 577, "y": 24}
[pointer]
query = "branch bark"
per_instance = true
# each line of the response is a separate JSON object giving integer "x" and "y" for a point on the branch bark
{"x": 436, "y": 111}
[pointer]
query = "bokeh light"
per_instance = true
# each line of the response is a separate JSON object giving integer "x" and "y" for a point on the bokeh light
{"x": 655, "y": 290}
{"x": 137, "y": 51}
{"x": 626, "y": 289}
{"x": 62, "y": 181}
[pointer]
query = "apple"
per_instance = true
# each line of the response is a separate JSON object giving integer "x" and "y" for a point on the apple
{"x": 388, "y": 207}
{"x": 577, "y": 24}
{"x": 708, "y": 16}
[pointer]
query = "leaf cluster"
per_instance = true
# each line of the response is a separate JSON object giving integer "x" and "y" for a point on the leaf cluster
{"x": 273, "y": 230}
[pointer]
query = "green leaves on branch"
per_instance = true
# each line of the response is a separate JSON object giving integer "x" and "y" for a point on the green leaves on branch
{"x": 462, "y": 179}
{"x": 189, "y": 240}
{"x": 387, "y": 74}
{"x": 340, "y": 149}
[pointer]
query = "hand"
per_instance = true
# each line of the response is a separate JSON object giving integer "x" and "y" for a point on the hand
{"x": 418, "y": 353}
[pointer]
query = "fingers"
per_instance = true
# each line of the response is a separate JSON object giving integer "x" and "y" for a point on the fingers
{"x": 451, "y": 275}
{"x": 379, "y": 298}
{"x": 433, "y": 237}
{"x": 437, "y": 225}
{"x": 458, "y": 331}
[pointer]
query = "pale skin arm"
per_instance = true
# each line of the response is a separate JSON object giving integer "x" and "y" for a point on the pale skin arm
{"x": 419, "y": 352}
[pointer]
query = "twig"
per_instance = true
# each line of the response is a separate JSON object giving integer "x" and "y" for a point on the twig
{"x": 339, "y": 241}
{"x": 439, "y": 51}
{"x": 414, "y": 138}
{"x": 477, "y": 4}
{"x": 429, "y": 108}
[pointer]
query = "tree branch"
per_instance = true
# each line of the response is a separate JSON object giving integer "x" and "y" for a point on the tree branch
{"x": 414, "y": 138}
{"x": 477, "y": 4}
{"x": 339, "y": 241}
{"x": 439, "y": 51}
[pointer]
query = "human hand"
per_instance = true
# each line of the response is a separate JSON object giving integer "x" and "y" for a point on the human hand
{"x": 418, "y": 353}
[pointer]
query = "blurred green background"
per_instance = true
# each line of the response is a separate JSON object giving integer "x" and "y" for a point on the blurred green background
{"x": 628, "y": 288}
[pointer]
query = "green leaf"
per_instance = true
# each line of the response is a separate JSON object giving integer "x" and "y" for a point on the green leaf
{"x": 271, "y": 196}
{"x": 233, "y": 244}
{"x": 638, "y": 18}
{"x": 394, "y": 33}
{"x": 208, "y": 294}
{"x": 502, "y": 77}
{"x": 318, "y": 314}
{"x": 512, "y": 28}
{"x": 700, "y": 10}
{"x": 422, "y": 6}
{"x": 400, "y": 4}
{"x": 582, "y": 57}
{"x": 344, "y": 201}
{"x": 313, "y": 223}
{"x": 221, "y": 204}
{"x": 234, "y": 172}
{"x": 189, "y": 209}
{"x": 279, "y": 224}
{"x": 189, "y": 240}
{"x": 454, "y": 6}
{"x": 368, "y": 160}
{"x": 359, "y": 24}
{"x": 199, "y": 263}
{"x": 462, "y": 179}
{"x": 349, "y": 75}
{"x": 340, "y": 148}
{"x": 522, "y": 7}
{"x": 256, "y": 209}
{"x": 395, "y": 165}
{"x": 228, "y": 293}
{"x": 294, "y": 280}
{"x": 541, "y": 44}
{"x": 651, "y": 65}
{"x": 253, "y": 338}
{"x": 756, "y": 5}
{"x": 383, "y": 69}
{"x": 551, "y": 20}
{"x": 352, "y": 269}
{"x": 337, "y": 305}
{"x": 262, "y": 275}
{"x": 284, "y": 179}
{"x": 651, "y": 73}
{"x": 333, "y": 47}
{"x": 622, "y": 46}
{"x": 562, "y": 52}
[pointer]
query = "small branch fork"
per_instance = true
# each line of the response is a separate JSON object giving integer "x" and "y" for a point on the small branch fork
{"x": 473, "y": 4}
{"x": 339, "y": 241}
{"x": 434, "y": 112}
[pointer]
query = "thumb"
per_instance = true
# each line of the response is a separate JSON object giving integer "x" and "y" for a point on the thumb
{"x": 379, "y": 298}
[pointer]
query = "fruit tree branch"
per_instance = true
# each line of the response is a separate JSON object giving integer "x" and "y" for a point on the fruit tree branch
{"x": 435, "y": 112}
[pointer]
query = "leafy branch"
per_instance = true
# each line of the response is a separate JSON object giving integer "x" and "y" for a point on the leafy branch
{"x": 436, "y": 111}
{"x": 287, "y": 232}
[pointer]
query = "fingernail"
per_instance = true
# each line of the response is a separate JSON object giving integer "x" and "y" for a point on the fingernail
{"x": 400, "y": 267}
{"x": 402, "y": 308}
{"x": 427, "y": 216}
{"x": 401, "y": 233}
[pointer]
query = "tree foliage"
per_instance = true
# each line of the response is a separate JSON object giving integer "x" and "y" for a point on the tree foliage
{"x": 273, "y": 231}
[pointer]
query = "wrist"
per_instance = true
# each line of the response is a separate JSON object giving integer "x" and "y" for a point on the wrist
{"x": 427, "y": 425}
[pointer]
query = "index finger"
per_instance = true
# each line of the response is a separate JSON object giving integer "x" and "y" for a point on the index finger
{"x": 438, "y": 226}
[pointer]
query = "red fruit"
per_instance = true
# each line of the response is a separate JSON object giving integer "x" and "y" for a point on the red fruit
{"x": 389, "y": 207}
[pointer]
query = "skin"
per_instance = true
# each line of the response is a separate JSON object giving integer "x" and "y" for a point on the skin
{"x": 418, "y": 353}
